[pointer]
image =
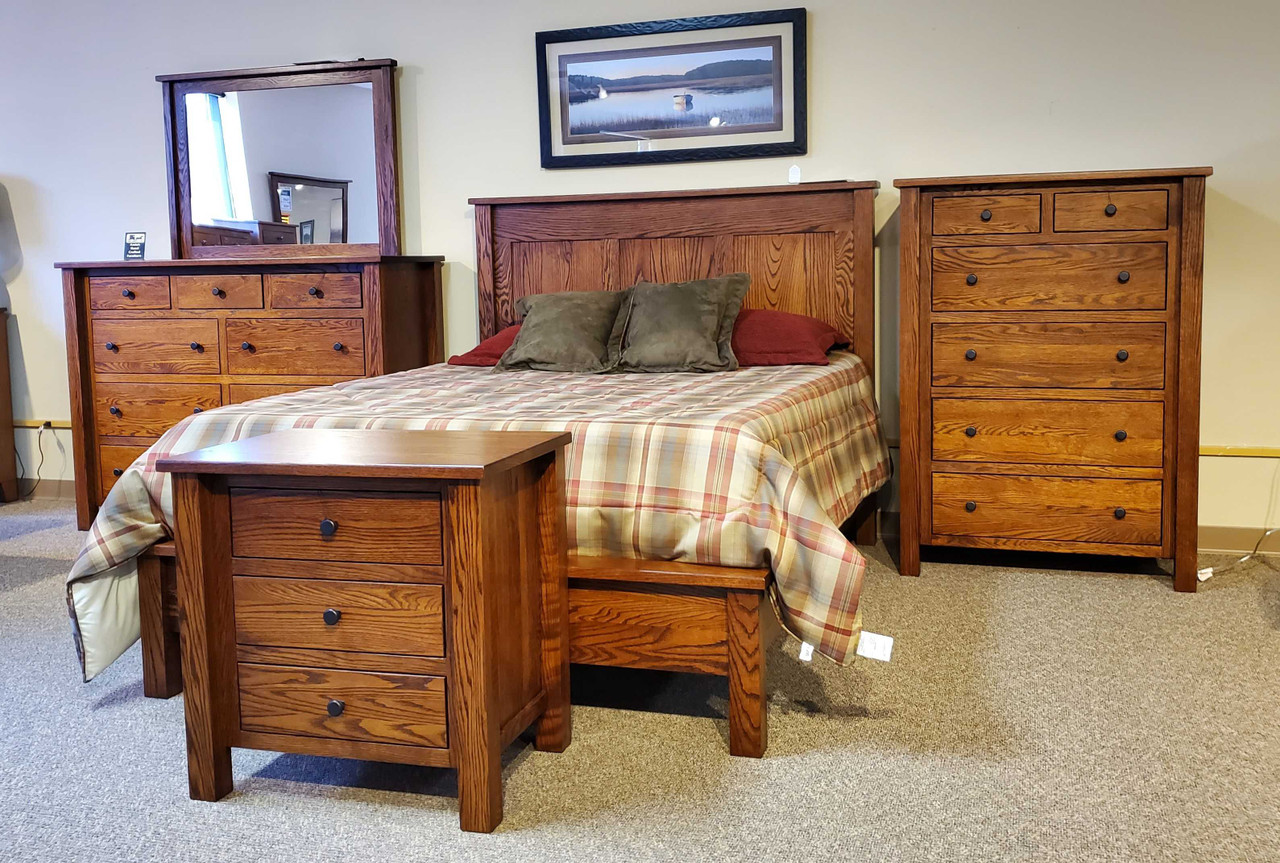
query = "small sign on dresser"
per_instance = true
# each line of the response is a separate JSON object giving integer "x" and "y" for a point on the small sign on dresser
{"x": 135, "y": 245}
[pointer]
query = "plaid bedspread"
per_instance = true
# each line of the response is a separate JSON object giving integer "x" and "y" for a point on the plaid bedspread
{"x": 748, "y": 468}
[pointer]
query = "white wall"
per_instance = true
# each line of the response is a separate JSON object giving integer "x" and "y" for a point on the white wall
{"x": 896, "y": 89}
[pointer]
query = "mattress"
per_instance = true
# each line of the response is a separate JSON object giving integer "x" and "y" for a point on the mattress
{"x": 755, "y": 467}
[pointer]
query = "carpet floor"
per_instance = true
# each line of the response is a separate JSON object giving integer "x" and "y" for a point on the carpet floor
{"x": 1029, "y": 713}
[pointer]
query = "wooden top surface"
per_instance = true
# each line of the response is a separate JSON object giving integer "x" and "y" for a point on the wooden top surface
{"x": 380, "y": 453}
{"x": 1076, "y": 176}
{"x": 835, "y": 186}
{"x": 309, "y": 260}
{"x": 272, "y": 71}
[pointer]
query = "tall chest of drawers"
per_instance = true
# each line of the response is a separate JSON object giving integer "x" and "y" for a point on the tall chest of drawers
{"x": 1050, "y": 363}
{"x": 151, "y": 342}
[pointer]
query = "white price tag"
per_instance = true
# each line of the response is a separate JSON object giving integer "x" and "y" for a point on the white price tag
{"x": 874, "y": 646}
{"x": 806, "y": 651}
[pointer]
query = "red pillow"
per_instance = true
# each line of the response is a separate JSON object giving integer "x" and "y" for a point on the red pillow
{"x": 762, "y": 337}
{"x": 488, "y": 352}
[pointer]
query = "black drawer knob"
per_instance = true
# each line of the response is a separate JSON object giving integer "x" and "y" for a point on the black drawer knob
{"x": 245, "y": 346}
{"x": 217, "y": 292}
{"x": 971, "y": 279}
{"x": 328, "y": 527}
{"x": 117, "y": 471}
{"x": 197, "y": 410}
{"x": 1122, "y": 434}
{"x": 1123, "y": 278}
{"x": 196, "y": 346}
{"x": 337, "y": 346}
{"x": 970, "y": 506}
{"x": 971, "y": 431}
{"x": 332, "y": 616}
{"x": 336, "y": 707}
{"x": 114, "y": 411}
{"x": 315, "y": 292}
{"x": 971, "y": 354}
{"x": 985, "y": 215}
{"x": 1120, "y": 513}
{"x": 1110, "y": 209}
{"x": 1122, "y": 355}
{"x": 111, "y": 346}
{"x": 127, "y": 294}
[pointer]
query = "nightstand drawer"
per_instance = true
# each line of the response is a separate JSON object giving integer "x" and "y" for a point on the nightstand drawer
{"x": 129, "y": 292}
{"x": 1111, "y": 211}
{"x": 348, "y": 705}
{"x": 1066, "y": 509}
{"x": 373, "y": 527}
{"x": 987, "y": 214}
{"x": 1085, "y": 355}
{"x": 149, "y": 410}
{"x": 1091, "y": 276}
{"x": 174, "y": 347}
{"x": 1035, "y": 431}
{"x": 367, "y": 617}
{"x": 314, "y": 290}
{"x": 295, "y": 346}
{"x": 218, "y": 291}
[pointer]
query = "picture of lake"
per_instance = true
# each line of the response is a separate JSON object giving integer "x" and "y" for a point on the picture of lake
{"x": 709, "y": 88}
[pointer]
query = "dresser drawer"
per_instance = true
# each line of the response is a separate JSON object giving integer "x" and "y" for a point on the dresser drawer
{"x": 248, "y": 392}
{"x": 295, "y": 346}
{"x": 348, "y": 705}
{"x": 1111, "y": 211}
{"x": 129, "y": 292}
{"x": 377, "y": 527}
{"x": 1111, "y": 356}
{"x": 278, "y": 235}
{"x": 149, "y": 410}
{"x": 112, "y": 463}
{"x": 986, "y": 214}
{"x": 314, "y": 290}
{"x": 218, "y": 292}
{"x": 1092, "y": 276}
{"x": 1047, "y": 508}
{"x": 340, "y": 615}
{"x": 1036, "y": 431}
{"x": 156, "y": 346}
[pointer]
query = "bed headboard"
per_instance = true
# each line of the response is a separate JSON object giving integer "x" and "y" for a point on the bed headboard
{"x": 807, "y": 247}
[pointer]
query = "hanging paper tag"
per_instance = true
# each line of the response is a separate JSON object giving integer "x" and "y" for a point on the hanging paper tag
{"x": 874, "y": 646}
{"x": 806, "y": 651}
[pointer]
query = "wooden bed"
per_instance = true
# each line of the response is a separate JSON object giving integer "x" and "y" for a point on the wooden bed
{"x": 808, "y": 249}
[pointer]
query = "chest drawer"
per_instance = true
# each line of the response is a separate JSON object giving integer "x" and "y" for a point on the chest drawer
{"x": 149, "y": 410}
{"x": 1111, "y": 211}
{"x": 986, "y": 214}
{"x": 340, "y": 615}
{"x": 1111, "y": 356}
{"x": 1047, "y": 507}
{"x": 348, "y": 705}
{"x": 248, "y": 392}
{"x": 129, "y": 292}
{"x": 296, "y": 346}
{"x": 314, "y": 290}
{"x": 218, "y": 291}
{"x": 377, "y": 527}
{"x": 1035, "y": 431}
{"x": 156, "y": 346}
{"x": 1092, "y": 276}
{"x": 112, "y": 463}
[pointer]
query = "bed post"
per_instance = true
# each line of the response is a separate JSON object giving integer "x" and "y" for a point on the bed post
{"x": 864, "y": 328}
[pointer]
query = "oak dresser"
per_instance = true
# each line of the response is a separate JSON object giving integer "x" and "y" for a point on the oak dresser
{"x": 151, "y": 342}
{"x": 1050, "y": 363}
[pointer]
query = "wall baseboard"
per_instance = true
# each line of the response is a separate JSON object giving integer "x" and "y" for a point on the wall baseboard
{"x": 48, "y": 489}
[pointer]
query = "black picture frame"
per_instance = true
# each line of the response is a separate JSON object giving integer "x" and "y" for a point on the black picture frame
{"x": 798, "y": 145}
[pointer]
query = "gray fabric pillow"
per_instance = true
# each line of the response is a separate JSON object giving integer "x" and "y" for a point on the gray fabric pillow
{"x": 683, "y": 327}
{"x": 572, "y": 331}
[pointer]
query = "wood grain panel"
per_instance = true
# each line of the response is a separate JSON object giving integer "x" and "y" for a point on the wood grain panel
{"x": 547, "y": 268}
{"x": 142, "y": 347}
{"x": 377, "y": 527}
{"x": 1009, "y": 214}
{"x": 776, "y": 263}
{"x": 1049, "y": 355}
{"x": 382, "y": 708}
{"x": 239, "y": 393}
{"x": 149, "y": 410}
{"x": 112, "y": 463}
{"x": 218, "y": 291}
{"x": 1146, "y": 210}
{"x": 1032, "y": 431}
{"x": 129, "y": 292}
{"x": 331, "y": 290}
{"x": 296, "y": 346}
{"x": 638, "y": 626}
{"x": 1048, "y": 508}
{"x": 668, "y": 259}
{"x": 1092, "y": 276}
{"x": 374, "y": 618}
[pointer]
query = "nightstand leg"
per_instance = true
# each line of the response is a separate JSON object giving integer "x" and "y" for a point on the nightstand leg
{"x": 554, "y": 727}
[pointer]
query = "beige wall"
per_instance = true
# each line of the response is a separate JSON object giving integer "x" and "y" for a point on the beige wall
{"x": 896, "y": 89}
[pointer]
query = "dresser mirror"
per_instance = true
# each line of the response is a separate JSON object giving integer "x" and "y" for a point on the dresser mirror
{"x": 288, "y": 161}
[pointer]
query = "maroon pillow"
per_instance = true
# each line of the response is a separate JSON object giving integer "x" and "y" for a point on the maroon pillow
{"x": 488, "y": 352}
{"x": 762, "y": 337}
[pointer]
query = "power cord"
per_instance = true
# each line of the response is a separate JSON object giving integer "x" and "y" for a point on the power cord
{"x": 22, "y": 468}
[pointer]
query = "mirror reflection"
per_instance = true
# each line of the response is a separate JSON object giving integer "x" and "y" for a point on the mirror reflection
{"x": 282, "y": 166}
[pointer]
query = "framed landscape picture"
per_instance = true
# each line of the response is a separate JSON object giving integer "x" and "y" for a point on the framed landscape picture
{"x": 687, "y": 89}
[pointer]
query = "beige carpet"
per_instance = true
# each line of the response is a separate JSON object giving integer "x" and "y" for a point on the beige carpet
{"x": 1028, "y": 714}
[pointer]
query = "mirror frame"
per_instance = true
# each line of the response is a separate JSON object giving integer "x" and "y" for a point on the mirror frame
{"x": 276, "y": 178}
{"x": 379, "y": 73}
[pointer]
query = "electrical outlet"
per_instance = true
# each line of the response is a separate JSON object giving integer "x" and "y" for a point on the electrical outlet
{"x": 47, "y": 424}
